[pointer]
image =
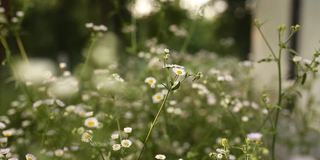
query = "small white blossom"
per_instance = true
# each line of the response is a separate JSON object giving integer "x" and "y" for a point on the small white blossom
{"x": 115, "y": 136}
{"x": 157, "y": 97}
{"x": 179, "y": 71}
{"x": 160, "y": 157}
{"x": 20, "y": 14}
{"x": 89, "y": 25}
{"x": 254, "y": 136}
{"x": 116, "y": 147}
{"x": 30, "y": 157}
{"x": 151, "y": 81}
{"x": 59, "y": 152}
{"x": 296, "y": 59}
{"x": 91, "y": 122}
{"x": 219, "y": 156}
{"x": 8, "y": 132}
{"x": 127, "y": 130}
{"x": 86, "y": 137}
{"x": 126, "y": 143}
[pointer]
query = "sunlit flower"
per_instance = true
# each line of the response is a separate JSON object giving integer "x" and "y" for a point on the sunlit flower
{"x": 30, "y": 157}
{"x": 37, "y": 71}
{"x": 4, "y": 151}
{"x": 127, "y": 130}
{"x": 8, "y": 132}
{"x": 91, "y": 122}
{"x": 219, "y": 156}
{"x": 64, "y": 87}
{"x": 179, "y": 71}
{"x": 2, "y": 125}
{"x": 297, "y": 59}
{"x": 255, "y": 136}
{"x": 160, "y": 157}
{"x": 157, "y": 97}
{"x": 59, "y": 152}
{"x": 142, "y": 8}
{"x": 115, "y": 136}
{"x": 126, "y": 143}
{"x": 116, "y": 147}
{"x": 86, "y": 137}
{"x": 151, "y": 81}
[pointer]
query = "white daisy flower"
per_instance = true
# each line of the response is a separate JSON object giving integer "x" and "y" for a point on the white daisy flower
{"x": 127, "y": 130}
{"x": 2, "y": 125}
{"x": 115, "y": 136}
{"x": 219, "y": 156}
{"x": 4, "y": 151}
{"x": 297, "y": 59}
{"x": 86, "y": 137}
{"x": 160, "y": 157}
{"x": 8, "y": 132}
{"x": 59, "y": 152}
{"x": 116, "y": 147}
{"x": 30, "y": 157}
{"x": 179, "y": 71}
{"x": 91, "y": 122}
{"x": 126, "y": 143}
{"x": 151, "y": 81}
{"x": 255, "y": 136}
{"x": 157, "y": 97}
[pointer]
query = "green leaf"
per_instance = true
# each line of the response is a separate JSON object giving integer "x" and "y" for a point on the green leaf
{"x": 175, "y": 86}
{"x": 304, "y": 77}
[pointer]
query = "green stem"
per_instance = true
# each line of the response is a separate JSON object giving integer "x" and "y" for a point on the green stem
{"x": 274, "y": 137}
{"x": 134, "y": 35}
{"x": 101, "y": 154}
{"x": 21, "y": 48}
{"x": 153, "y": 124}
{"x": 267, "y": 43}
{"x": 85, "y": 65}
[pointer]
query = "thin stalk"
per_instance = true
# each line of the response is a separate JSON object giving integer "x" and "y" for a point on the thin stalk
{"x": 274, "y": 137}
{"x": 153, "y": 124}
{"x": 267, "y": 43}
{"x": 93, "y": 40}
{"x": 21, "y": 47}
{"x": 8, "y": 58}
{"x": 134, "y": 35}
{"x": 101, "y": 154}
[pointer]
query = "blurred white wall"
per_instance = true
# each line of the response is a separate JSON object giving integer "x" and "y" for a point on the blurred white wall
{"x": 310, "y": 30}
{"x": 273, "y": 13}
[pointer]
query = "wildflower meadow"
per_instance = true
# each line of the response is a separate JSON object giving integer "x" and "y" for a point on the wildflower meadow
{"x": 145, "y": 87}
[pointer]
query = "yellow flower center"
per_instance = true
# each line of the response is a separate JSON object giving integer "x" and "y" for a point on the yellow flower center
{"x": 91, "y": 123}
{"x": 179, "y": 72}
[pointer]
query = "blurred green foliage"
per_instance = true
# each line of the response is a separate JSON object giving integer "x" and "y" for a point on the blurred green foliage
{"x": 54, "y": 28}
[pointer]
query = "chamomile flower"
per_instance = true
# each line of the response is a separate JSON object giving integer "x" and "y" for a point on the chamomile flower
{"x": 160, "y": 157}
{"x": 86, "y": 137}
{"x": 59, "y": 152}
{"x": 126, "y": 143}
{"x": 254, "y": 136}
{"x": 219, "y": 156}
{"x": 30, "y": 157}
{"x": 91, "y": 122}
{"x": 115, "y": 136}
{"x": 8, "y": 132}
{"x": 179, "y": 71}
{"x": 157, "y": 97}
{"x": 297, "y": 59}
{"x": 151, "y": 81}
{"x": 116, "y": 147}
{"x": 127, "y": 130}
